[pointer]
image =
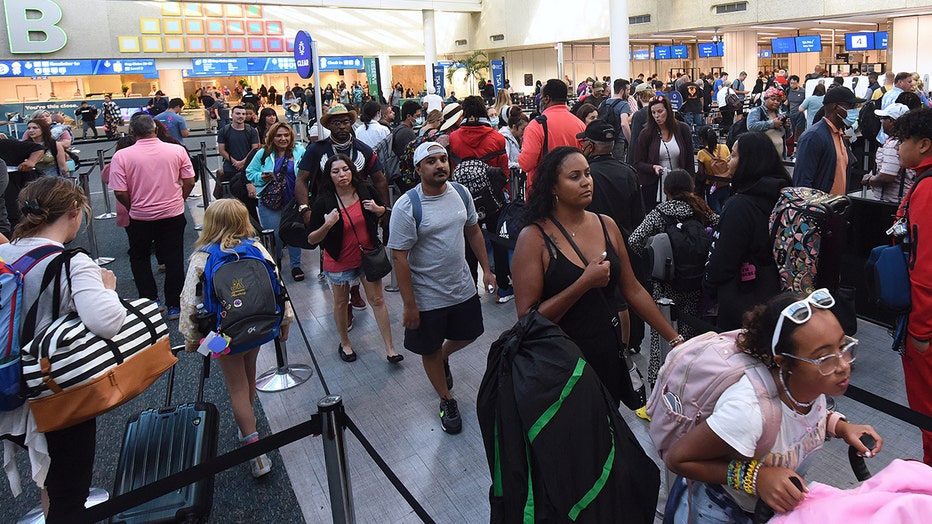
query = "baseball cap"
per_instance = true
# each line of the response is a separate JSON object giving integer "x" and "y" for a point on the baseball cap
{"x": 841, "y": 95}
{"x": 597, "y": 86}
{"x": 598, "y": 131}
{"x": 427, "y": 149}
{"x": 643, "y": 86}
{"x": 893, "y": 111}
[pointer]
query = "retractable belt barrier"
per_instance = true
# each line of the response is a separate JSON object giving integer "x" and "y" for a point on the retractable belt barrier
{"x": 329, "y": 421}
{"x": 871, "y": 400}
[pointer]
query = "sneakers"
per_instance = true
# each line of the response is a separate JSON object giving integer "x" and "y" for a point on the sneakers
{"x": 505, "y": 295}
{"x": 356, "y": 299}
{"x": 450, "y": 419}
{"x": 174, "y": 313}
{"x": 260, "y": 466}
{"x": 159, "y": 304}
{"x": 446, "y": 373}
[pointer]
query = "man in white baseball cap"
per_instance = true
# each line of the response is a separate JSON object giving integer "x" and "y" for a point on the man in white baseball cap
{"x": 888, "y": 181}
{"x": 442, "y": 313}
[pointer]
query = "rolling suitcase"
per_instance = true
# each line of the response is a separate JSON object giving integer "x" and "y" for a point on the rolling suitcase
{"x": 807, "y": 227}
{"x": 160, "y": 442}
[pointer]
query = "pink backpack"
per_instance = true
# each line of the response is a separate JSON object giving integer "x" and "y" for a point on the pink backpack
{"x": 694, "y": 376}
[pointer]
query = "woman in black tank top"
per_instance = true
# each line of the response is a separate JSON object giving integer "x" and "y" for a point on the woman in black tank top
{"x": 570, "y": 260}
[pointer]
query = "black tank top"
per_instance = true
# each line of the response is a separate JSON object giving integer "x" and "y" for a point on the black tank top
{"x": 590, "y": 321}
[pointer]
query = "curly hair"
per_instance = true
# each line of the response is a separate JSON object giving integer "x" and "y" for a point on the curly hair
{"x": 540, "y": 202}
{"x": 758, "y": 327}
{"x": 915, "y": 124}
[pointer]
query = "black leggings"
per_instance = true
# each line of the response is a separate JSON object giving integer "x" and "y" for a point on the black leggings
{"x": 499, "y": 256}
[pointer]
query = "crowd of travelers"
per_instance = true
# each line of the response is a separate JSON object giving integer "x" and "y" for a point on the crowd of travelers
{"x": 560, "y": 207}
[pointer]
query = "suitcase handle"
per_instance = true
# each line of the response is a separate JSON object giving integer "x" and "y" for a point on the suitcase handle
{"x": 205, "y": 374}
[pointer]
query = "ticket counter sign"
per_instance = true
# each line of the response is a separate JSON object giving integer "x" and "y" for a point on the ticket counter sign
{"x": 32, "y": 68}
{"x": 333, "y": 63}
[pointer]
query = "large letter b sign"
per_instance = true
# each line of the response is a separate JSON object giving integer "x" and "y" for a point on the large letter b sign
{"x": 32, "y": 26}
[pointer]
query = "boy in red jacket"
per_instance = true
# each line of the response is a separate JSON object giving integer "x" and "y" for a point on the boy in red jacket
{"x": 914, "y": 131}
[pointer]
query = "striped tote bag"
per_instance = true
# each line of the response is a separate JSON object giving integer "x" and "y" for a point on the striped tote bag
{"x": 74, "y": 375}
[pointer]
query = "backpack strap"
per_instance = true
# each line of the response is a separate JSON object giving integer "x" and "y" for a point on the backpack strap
{"x": 28, "y": 261}
{"x": 769, "y": 400}
{"x": 417, "y": 210}
{"x": 542, "y": 120}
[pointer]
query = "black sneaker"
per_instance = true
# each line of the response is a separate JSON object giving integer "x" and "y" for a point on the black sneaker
{"x": 446, "y": 373}
{"x": 450, "y": 417}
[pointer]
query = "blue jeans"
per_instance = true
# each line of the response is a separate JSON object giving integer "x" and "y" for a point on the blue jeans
{"x": 703, "y": 509}
{"x": 270, "y": 218}
{"x": 695, "y": 121}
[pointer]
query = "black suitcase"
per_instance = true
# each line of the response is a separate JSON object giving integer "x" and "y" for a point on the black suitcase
{"x": 160, "y": 442}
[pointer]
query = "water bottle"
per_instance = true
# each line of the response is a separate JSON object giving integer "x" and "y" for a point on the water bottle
{"x": 205, "y": 320}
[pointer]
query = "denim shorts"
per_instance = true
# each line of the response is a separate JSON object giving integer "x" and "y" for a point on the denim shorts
{"x": 339, "y": 278}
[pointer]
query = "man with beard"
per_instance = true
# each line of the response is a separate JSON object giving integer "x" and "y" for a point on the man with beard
{"x": 442, "y": 313}
{"x": 339, "y": 121}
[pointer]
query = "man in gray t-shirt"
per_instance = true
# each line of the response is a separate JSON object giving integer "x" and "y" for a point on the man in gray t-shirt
{"x": 442, "y": 313}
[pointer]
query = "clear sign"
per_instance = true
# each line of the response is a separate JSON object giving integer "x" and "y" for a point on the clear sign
{"x": 333, "y": 63}
{"x": 302, "y": 54}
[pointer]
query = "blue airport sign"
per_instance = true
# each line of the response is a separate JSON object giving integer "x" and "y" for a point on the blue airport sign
{"x": 275, "y": 64}
{"x": 33, "y": 68}
{"x": 303, "y": 51}
{"x": 333, "y": 63}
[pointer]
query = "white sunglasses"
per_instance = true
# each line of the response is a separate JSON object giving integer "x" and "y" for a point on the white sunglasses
{"x": 800, "y": 312}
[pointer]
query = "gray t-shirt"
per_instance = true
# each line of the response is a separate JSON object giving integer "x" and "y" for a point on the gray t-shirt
{"x": 436, "y": 248}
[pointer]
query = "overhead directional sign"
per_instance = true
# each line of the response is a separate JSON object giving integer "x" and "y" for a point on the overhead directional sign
{"x": 275, "y": 64}
{"x": 332, "y": 63}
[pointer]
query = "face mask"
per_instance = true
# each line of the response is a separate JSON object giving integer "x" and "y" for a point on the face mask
{"x": 419, "y": 121}
{"x": 494, "y": 121}
{"x": 851, "y": 116}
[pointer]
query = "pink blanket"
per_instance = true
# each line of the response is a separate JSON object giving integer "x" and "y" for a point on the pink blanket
{"x": 900, "y": 493}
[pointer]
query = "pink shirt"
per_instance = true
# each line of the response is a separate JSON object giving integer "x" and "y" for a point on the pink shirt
{"x": 151, "y": 172}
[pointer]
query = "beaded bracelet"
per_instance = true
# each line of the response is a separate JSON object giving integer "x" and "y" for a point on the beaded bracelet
{"x": 676, "y": 341}
{"x": 749, "y": 478}
{"x": 732, "y": 478}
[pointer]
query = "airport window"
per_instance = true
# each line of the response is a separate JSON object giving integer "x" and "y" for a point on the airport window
{"x": 639, "y": 19}
{"x": 734, "y": 7}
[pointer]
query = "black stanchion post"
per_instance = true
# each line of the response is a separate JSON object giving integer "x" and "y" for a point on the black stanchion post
{"x": 205, "y": 172}
{"x": 283, "y": 376}
{"x": 106, "y": 189}
{"x": 666, "y": 307}
{"x": 91, "y": 232}
{"x": 393, "y": 281}
{"x": 341, "y": 495}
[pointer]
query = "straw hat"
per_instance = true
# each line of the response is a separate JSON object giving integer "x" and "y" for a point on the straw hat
{"x": 338, "y": 109}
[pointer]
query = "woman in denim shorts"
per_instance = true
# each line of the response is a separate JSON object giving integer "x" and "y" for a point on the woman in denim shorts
{"x": 345, "y": 218}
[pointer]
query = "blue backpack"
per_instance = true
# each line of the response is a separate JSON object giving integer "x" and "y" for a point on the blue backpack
{"x": 11, "y": 297}
{"x": 242, "y": 290}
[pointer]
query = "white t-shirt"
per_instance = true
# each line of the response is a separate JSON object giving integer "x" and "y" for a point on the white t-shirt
{"x": 373, "y": 135}
{"x": 432, "y": 101}
{"x": 737, "y": 419}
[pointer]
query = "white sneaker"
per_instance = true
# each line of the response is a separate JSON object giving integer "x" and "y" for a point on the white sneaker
{"x": 260, "y": 465}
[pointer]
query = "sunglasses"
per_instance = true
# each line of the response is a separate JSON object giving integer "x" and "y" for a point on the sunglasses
{"x": 830, "y": 363}
{"x": 800, "y": 312}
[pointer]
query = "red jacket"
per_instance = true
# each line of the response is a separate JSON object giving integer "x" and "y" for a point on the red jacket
{"x": 920, "y": 276}
{"x": 478, "y": 141}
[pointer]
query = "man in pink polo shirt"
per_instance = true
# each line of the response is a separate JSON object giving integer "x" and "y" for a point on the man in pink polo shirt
{"x": 152, "y": 179}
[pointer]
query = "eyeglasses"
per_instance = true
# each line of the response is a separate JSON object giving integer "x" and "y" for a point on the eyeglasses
{"x": 800, "y": 312}
{"x": 830, "y": 363}
{"x": 341, "y": 123}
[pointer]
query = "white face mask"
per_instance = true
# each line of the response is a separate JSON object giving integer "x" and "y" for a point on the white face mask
{"x": 494, "y": 121}
{"x": 419, "y": 121}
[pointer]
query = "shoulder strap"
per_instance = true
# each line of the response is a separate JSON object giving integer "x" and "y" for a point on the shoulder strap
{"x": 416, "y": 210}
{"x": 569, "y": 239}
{"x": 769, "y": 401}
{"x": 542, "y": 120}
{"x": 52, "y": 273}
{"x": 26, "y": 262}
{"x": 492, "y": 155}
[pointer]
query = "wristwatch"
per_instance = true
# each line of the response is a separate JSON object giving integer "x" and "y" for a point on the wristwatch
{"x": 303, "y": 207}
